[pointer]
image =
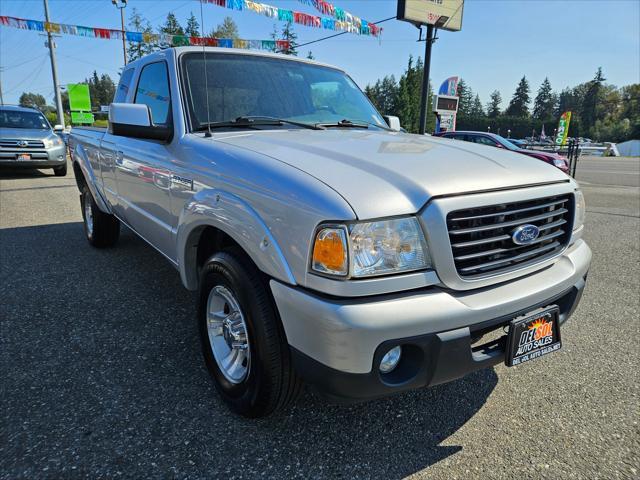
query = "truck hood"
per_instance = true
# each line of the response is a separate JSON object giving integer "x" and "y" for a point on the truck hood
{"x": 24, "y": 133}
{"x": 381, "y": 173}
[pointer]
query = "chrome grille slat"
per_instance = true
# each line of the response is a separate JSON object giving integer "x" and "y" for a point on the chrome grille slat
{"x": 555, "y": 234}
{"x": 481, "y": 237}
{"x": 517, "y": 258}
{"x": 14, "y": 144}
{"x": 509, "y": 212}
{"x": 512, "y": 223}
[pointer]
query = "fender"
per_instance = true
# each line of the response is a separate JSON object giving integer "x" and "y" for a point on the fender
{"x": 232, "y": 215}
{"x": 80, "y": 157}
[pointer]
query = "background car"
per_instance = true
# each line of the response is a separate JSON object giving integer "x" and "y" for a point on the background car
{"x": 28, "y": 141}
{"x": 493, "y": 140}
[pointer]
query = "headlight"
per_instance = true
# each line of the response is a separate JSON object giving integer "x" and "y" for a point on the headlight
{"x": 581, "y": 210}
{"x": 52, "y": 142}
{"x": 373, "y": 248}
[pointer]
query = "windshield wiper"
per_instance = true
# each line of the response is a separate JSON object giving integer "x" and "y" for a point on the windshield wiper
{"x": 256, "y": 121}
{"x": 344, "y": 123}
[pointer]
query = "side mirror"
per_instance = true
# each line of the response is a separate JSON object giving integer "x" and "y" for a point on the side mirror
{"x": 134, "y": 120}
{"x": 58, "y": 129}
{"x": 393, "y": 122}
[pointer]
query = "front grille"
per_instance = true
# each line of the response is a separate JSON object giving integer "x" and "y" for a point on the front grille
{"x": 15, "y": 144}
{"x": 481, "y": 238}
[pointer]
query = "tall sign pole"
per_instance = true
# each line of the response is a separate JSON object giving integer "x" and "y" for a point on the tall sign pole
{"x": 440, "y": 14}
{"x": 425, "y": 80}
{"x": 54, "y": 67}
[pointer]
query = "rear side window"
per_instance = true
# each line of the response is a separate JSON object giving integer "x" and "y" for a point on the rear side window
{"x": 123, "y": 86}
{"x": 485, "y": 141}
{"x": 153, "y": 90}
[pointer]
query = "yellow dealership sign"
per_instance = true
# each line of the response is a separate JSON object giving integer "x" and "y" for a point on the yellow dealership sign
{"x": 444, "y": 14}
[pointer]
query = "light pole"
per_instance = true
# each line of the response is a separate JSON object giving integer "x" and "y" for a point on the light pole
{"x": 54, "y": 67}
{"x": 121, "y": 5}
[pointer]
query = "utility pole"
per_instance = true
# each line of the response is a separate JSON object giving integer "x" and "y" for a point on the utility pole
{"x": 425, "y": 80}
{"x": 54, "y": 67}
{"x": 121, "y": 5}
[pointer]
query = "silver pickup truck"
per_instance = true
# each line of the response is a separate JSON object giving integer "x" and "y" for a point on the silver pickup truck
{"x": 325, "y": 244}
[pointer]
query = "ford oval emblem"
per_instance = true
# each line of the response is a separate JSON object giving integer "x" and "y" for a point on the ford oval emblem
{"x": 525, "y": 234}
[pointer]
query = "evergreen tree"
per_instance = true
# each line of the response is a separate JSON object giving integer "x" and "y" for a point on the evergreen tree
{"x": 226, "y": 29}
{"x": 545, "y": 102}
{"x": 476, "y": 107}
{"x": 193, "y": 27}
{"x": 171, "y": 26}
{"x": 519, "y": 105}
{"x": 493, "y": 107}
{"x": 591, "y": 98}
{"x": 289, "y": 35}
{"x": 137, "y": 23}
{"x": 408, "y": 100}
{"x": 465, "y": 102}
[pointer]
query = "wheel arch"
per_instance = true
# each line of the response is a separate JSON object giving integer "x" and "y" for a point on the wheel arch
{"x": 215, "y": 219}
{"x": 85, "y": 175}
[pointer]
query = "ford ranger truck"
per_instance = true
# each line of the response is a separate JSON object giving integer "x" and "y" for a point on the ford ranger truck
{"x": 326, "y": 245}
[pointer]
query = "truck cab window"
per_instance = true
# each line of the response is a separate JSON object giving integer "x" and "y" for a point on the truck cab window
{"x": 123, "y": 87}
{"x": 153, "y": 90}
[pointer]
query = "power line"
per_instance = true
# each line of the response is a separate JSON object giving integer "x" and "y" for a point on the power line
{"x": 341, "y": 33}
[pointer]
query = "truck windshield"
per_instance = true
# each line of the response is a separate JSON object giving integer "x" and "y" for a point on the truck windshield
{"x": 255, "y": 86}
{"x": 18, "y": 119}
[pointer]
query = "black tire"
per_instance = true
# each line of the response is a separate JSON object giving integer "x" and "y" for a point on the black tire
{"x": 271, "y": 383}
{"x": 60, "y": 171}
{"x": 105, "y": 228}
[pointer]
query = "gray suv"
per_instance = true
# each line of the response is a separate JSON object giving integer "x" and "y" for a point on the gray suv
{"x": 28, "y": 141}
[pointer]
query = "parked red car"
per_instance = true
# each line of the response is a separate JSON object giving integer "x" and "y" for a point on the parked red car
{"x": 494, "y": 140}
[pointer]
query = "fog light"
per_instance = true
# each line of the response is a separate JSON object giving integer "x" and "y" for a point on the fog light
{"x": 390, "y": 359}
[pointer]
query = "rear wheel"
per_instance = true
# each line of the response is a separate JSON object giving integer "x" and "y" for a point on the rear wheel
{"x": 243, "y": 342}
{"x": 60, "y": 171}
{"x": 102, "y": 230}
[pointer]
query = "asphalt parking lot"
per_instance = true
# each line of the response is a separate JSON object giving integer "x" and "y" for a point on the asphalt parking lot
{"x": 102, "y": 375}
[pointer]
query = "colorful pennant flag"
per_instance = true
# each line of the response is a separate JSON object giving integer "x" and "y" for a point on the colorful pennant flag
{"x": 341, "y": 19}
{"x": 160, "y": 39}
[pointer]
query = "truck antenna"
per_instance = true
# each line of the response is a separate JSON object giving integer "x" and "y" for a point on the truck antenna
{"x": 206, "y": 85}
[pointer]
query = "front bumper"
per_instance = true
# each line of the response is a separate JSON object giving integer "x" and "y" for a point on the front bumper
{"x": 337, "y": 342}
{"x": 40, "y": 158}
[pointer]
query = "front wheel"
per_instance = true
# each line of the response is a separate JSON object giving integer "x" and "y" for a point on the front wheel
{"x": 243, "y": 342}
{"x": 101, "y": 229}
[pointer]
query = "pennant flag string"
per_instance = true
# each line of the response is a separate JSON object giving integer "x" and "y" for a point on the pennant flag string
{"x": 340, "y": 19}
{"x": 160, "y": 39}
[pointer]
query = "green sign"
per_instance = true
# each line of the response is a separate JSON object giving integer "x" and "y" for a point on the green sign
{"x": 79, "y": 97}
{"x": 81, "y": 117}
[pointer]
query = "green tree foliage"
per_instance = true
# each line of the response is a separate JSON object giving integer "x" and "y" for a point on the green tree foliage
{"x": 476, "y": 107}
{"x": 519, "y": 105}
{"x": 291, "y": 36}
{"x": 137, "y": 23}
{"x": 493, "y": 107}
{"x": 171, "y": 26}
{"x": 33, "y": 100}
{"x": 409, "y": 92}
{"x": 544, "y": 105}
{"x": 101, "y": 90}
{"x": 384, "y": 95}
{"x": 193, "y": 27}
{"x": 465, "y": 102}
{"x": 226, "y": 29}
{"x": 588, "y": 113}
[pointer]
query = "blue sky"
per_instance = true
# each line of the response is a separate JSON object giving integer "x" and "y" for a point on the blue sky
{"x": 500, "y": 41}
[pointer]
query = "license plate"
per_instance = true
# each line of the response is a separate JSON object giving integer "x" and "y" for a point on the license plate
{"x": 533, "y": 335}
{"x": 24, "y": 156}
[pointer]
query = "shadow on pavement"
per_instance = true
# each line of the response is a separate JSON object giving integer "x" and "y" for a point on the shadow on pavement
{"x": 102, "y": 376}
{"x": 23, "y": 172}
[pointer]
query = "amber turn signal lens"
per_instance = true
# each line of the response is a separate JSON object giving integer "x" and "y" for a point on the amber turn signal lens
{"x": 330, "y": 251}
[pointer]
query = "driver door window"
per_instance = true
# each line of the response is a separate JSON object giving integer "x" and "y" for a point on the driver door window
{"x": 485, "y": 141}
{"x": 153, "y": 90}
